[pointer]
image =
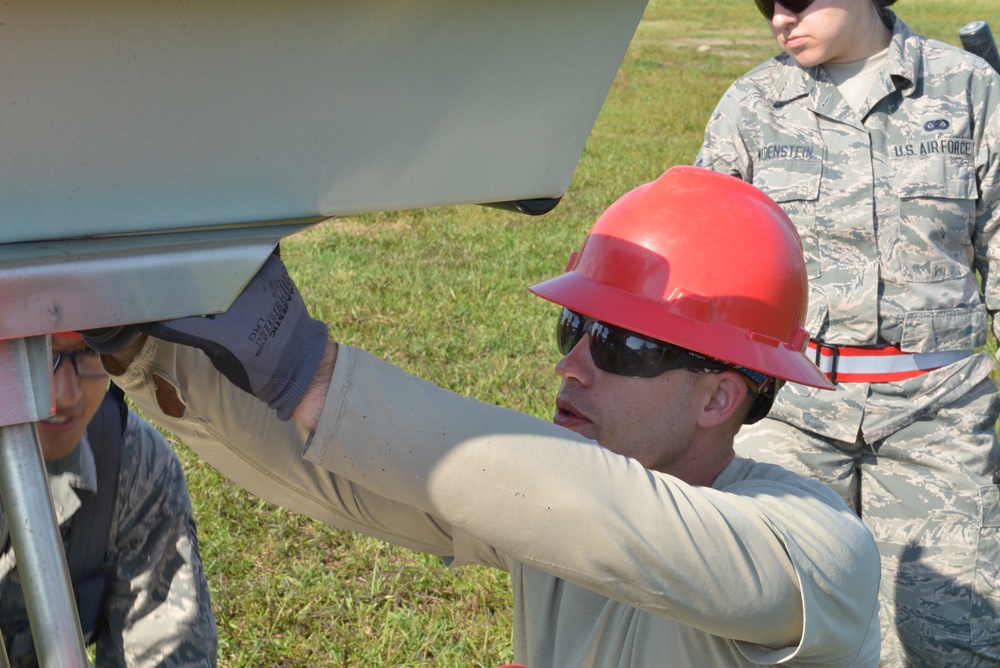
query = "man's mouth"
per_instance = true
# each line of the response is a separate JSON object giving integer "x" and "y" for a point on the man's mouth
{"x": 566, "y": 407}
{"x": 569, "y": 416}
{"x": 58, "y": 419}
{"x": 794, "y": 41}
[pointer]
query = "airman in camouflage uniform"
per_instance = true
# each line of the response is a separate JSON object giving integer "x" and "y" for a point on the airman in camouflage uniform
{"x": 896, "y": 204}
{"x": 157, "y": 608}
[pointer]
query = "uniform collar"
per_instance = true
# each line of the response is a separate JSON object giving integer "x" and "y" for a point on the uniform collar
{"x": 906, "y": 58}
{"x": 904, "y": 67}
{"x": 76, "y": 471}
{"x": 735, "y": 471}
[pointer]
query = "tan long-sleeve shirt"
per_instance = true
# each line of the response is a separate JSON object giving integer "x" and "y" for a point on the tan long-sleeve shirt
{"x": 611, "y": 564}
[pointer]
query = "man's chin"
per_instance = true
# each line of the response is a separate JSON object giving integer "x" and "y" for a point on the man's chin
{"x": 581, "y": 426}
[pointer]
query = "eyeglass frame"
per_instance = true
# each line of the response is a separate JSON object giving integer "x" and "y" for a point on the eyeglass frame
{"x": 58, "y": 357}
{"x": 683, "y": 358}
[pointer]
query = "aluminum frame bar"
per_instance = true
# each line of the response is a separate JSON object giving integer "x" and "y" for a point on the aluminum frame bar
{"x": 34, "y": 530}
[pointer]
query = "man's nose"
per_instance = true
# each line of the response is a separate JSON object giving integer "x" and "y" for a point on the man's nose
{"x": 578, "y": 363}
{"x": 65, "y": 385}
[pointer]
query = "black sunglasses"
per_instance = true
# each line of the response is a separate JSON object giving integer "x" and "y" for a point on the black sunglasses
{"x": 766, "y": 7}
{"x": 625, "y": 353}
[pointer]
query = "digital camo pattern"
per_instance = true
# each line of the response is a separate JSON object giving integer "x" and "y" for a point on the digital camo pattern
{"x": 928, "y": 500}
{"x": 157, "y": 607}
{"x": 896, "y": 206}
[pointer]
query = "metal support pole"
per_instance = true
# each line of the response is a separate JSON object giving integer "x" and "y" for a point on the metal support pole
{"x": 25, "y": 379}
{"x": 4, "y": 661}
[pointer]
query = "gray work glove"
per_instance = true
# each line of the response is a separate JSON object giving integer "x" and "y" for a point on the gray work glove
{"x": 266, "y": 343}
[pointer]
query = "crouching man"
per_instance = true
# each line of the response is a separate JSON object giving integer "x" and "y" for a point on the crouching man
{"x": 632, "y": 533}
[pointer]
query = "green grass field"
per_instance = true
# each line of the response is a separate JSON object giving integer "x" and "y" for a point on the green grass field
{"x": 441, "y": 293}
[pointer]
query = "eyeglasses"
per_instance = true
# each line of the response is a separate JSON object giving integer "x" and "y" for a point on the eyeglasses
{"x": 86, "y": 363}
{"x": 625, "y": 353}
{"x": 766, "y": 7}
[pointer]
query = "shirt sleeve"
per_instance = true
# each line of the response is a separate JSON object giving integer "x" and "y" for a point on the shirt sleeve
{"x": 723, "y": 149}
{"x": 730, "y": 564}
{"x": 158, "y": 610}
{"x": 242, "y": 438}
{"x": 986, "y": 109}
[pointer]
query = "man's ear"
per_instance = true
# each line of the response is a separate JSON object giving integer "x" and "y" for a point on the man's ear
{"x": 728, "y": 391}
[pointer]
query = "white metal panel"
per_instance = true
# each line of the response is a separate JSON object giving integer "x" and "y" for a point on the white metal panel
{"x": 119, "y": 116}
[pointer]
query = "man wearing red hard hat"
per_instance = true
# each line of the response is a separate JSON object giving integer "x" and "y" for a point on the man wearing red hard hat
{"x": 632, "y": 533}
{"x": 119, "y": 495}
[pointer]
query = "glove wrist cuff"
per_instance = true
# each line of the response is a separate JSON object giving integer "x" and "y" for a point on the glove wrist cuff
{"x": 305, "y": 360}
{"x": 110, "y": 340}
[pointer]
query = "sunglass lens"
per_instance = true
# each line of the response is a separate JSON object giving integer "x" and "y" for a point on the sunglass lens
{"x": 797, "y": 6}
{"x": 621, "y": 352}
{"x": 570, "y": 330}
{"x": 616, "y": 350}
{"x": 766, "y": 8}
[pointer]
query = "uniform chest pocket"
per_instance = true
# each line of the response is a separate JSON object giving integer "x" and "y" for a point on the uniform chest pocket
{"x": 932, "y": 237}
{"x": 794, "y": 185}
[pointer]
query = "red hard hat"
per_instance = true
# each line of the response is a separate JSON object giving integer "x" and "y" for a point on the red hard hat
{"x": 701, "y": 260}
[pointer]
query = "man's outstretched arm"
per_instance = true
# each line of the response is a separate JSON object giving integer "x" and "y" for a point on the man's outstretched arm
{"x": 307, "y": 413}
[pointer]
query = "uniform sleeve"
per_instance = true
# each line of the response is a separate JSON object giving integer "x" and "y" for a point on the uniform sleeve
{"x": 157, "y": 608}
{"x": 723, "y": 149}
{"x": 986, "y": 108}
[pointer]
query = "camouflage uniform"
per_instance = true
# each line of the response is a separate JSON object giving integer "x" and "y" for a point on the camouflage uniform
{"x": 896, "y": 208}
{"x": 157, "y": 606}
